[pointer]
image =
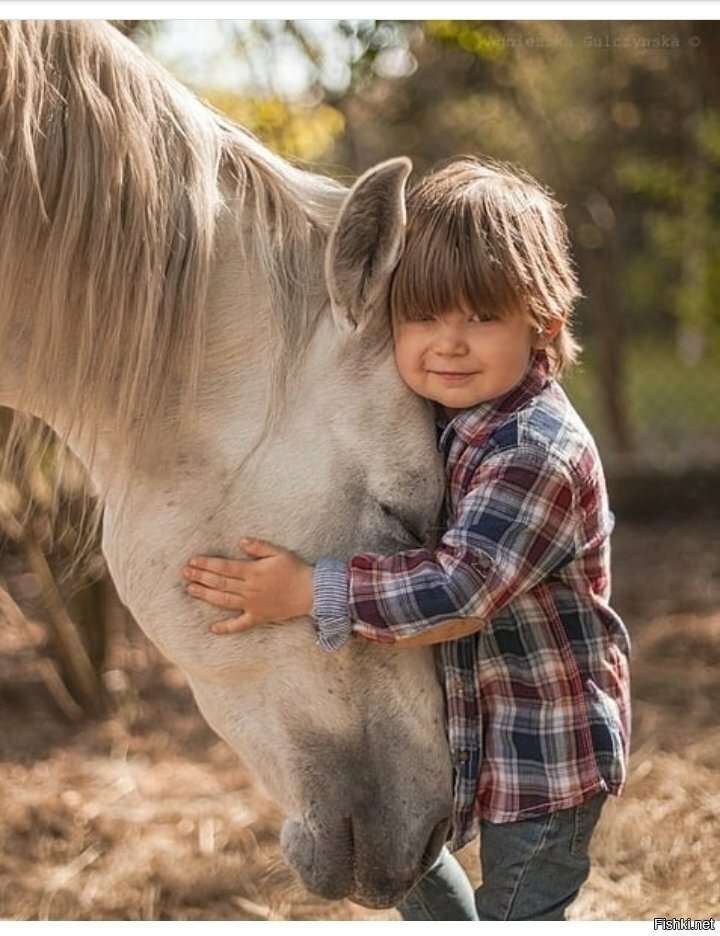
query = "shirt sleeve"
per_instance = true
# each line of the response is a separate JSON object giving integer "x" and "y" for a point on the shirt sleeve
{"x": 330, "y": 604}
{"x": 515, "y": 527}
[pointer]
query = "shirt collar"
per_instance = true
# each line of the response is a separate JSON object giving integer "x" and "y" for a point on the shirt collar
{"x": 473, "y": 425}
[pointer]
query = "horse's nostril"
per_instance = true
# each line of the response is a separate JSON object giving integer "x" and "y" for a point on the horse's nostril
{"x": 349, "y": 831}
{"x": 435, "y": 843}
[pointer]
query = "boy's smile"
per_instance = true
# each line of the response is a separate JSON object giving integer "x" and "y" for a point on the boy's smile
{"x": 454, "y": 376}
{"x": 462, "y": 359}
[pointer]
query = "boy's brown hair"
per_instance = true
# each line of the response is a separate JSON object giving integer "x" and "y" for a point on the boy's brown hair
{"x": 484, "y": 236}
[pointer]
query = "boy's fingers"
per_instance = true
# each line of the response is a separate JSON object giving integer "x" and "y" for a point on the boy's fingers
{"x": 221, "y": 599}
{"x": 213, "y": 580}
{"x": 259, "y": 549}
{"x": 233, "y": 568}
{"x": 234, "y": 625}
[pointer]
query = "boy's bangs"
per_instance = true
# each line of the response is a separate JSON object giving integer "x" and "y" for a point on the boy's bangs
{"x": 448, "y": 265}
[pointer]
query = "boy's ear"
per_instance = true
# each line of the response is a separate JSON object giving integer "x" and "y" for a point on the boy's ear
{"x": 548, "y": 333}
{"x": 366, "y": 244}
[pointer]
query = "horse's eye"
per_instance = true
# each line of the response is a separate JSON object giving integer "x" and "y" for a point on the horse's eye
{"x": 407, "y": 524}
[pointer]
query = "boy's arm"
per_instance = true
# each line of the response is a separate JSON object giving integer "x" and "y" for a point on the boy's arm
{"x": 330, "y": 610}
{"x": 515, "y": 527}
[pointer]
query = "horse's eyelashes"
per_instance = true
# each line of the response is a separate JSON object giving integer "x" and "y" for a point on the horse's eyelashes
{"x": 407, "y": 524}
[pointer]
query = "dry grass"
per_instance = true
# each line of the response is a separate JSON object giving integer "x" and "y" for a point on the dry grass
{"x": 147, "y": 816}
{"x": 656, "y": 850}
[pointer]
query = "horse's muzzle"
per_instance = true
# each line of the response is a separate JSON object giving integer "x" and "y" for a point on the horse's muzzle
{"x": 373, "y": 871}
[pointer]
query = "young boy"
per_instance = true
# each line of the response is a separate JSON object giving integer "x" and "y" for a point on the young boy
{"x": 537, "y": 695}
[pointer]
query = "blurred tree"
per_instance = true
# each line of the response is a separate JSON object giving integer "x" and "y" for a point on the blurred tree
{"x": 56, "y": 537}
{"x": 134, "y": 29}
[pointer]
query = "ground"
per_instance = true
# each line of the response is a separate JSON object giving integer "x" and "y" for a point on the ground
{"x": 146, "y": 815}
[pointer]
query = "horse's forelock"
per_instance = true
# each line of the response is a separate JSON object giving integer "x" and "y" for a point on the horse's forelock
{"x": 111, "y": 179}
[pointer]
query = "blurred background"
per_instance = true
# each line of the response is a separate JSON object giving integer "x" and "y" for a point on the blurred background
{"x": 621, "y": 120}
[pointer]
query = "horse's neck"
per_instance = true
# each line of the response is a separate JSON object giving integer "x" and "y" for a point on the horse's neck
{"x": 238, "y": 401}
{"x": 236, "y": 380}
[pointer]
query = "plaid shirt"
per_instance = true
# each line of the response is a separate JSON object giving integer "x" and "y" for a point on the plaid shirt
{"x": 537, "y": 700}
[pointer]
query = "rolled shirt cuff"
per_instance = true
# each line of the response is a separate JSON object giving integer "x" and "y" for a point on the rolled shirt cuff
{"x": 330, "y": 604}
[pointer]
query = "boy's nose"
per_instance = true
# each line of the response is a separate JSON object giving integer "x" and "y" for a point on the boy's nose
{"x": 451, "y": 339}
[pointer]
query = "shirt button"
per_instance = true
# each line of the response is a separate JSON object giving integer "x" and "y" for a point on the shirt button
{"x": 457, "y": 687}
{"x": 462, "y": 757}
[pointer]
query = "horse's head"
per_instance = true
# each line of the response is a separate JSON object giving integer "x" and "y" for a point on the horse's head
{"x": 373, "y": 774}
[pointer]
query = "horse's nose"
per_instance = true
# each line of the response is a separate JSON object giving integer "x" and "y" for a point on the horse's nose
{"x": 373, "y": 867}
{"x": 385, "y": 883}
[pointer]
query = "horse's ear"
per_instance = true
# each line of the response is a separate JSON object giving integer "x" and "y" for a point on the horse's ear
{"x": 365, "y": 245}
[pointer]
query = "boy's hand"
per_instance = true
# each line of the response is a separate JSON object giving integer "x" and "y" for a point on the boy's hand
{"x": 273, "y": 585}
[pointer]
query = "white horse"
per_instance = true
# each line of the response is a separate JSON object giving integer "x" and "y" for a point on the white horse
{"x": 207, "y": 327}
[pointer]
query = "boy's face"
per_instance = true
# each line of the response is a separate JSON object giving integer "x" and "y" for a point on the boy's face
{"x": 462, "y": 359}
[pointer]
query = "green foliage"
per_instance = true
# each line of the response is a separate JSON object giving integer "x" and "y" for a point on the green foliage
{"x": 682, "y": 241}
{"x": 667, "y": 399}
{"x": 291, "y": 129}
{"x": 481, "y": 39}
{"x": 659, "y": 181}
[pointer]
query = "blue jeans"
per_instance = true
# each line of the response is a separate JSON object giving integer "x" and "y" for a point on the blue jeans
{"x": 531, "y": 870}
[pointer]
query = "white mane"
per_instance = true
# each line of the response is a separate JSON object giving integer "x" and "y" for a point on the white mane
{"x": 113, "y": 178}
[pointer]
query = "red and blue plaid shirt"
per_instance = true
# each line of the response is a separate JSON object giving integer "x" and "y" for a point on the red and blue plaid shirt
{"x": 538, "y": 708}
